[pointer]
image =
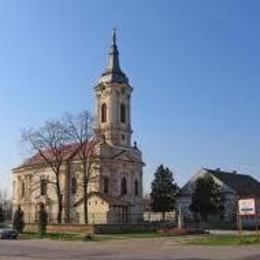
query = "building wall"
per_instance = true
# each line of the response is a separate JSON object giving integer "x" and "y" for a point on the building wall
{"x": 115, "y": 170}
{"x": 31, "y": 197}
{"x": 113, "y": 95}
{"x": 98, "y": 210}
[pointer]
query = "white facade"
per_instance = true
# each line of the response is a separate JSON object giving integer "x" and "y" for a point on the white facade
{"x": 115, "y": 192}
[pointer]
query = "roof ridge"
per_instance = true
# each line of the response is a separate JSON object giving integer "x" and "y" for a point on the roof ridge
{"x": 227, "y": 172}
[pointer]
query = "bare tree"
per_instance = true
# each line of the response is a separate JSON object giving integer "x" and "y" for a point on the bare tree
{"x": 49, "y": 142}
{"x": 79, "y": 130}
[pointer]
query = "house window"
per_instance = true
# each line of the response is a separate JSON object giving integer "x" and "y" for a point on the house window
{"x": 136, "y": 188}
{"x": 106, "y": 185}
{"x": 43, "y": 186}
{"x": 122, "y": 113}
{"x": 74, "y": 185}
{"x": 23, "y": 189}
{"x": 104, "y": 113}
{"x": 123, "y": 186}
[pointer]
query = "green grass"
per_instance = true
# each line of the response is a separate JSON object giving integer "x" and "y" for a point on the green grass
{"x": 225, "y": 240}
{"x": 124, "y": 236}
{"x": 207, "y": 240}
{"x": 82, "y": 237}
{"x": 99, "y": 237}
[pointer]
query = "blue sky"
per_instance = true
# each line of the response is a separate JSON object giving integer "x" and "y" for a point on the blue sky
{"x": 194, "y": 66}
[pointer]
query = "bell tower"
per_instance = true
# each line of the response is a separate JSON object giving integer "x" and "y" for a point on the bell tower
{"x": 113, "y": 102}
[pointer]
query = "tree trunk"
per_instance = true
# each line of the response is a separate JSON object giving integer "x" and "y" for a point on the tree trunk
{"x": 59, "y": 216}
{"x": 66, "y": 201}
{"x": 85, "y": 193}
{"x": 59, "y": 196}
{"x": 163, "y": 216}
{"x": 85, "y": 209}
{"x": 85, "y": 204}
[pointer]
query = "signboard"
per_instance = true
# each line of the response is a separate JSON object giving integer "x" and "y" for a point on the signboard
{"x": 246, "y": 207}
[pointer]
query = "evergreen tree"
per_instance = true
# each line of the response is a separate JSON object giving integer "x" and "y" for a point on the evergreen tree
{"x": 43, "y": 220}
{"x": 18, "y": 222}
{"x": 2, "y": 214}
{"x": 207, "y": 198}
{"x": 164, "y": 191}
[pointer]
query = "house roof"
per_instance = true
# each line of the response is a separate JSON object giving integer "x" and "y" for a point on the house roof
{"x": 66, "y": 152}
{"x": 244, "y": 185}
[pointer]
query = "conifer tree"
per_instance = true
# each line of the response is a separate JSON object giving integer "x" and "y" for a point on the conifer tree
{"x": 164, "y": 190}
{"x": 207, "y": 198}
{"x": 18, "y": 222}
{"x": 43, "y": 220}
{"x": 2, "y": 214}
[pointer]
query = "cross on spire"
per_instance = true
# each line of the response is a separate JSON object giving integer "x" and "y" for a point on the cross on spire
{"x": 114, "y": 35}
{"x": 113, "y": 73}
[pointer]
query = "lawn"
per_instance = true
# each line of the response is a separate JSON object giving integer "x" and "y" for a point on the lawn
{"x": 225, "y": 240}
{"x": 55, "y": 236}
{"x": 207, "y": 240}
{"x": 124, "y": 236}
{"x": 82, "y": 237}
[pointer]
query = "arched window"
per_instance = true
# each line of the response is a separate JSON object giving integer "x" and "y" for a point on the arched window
{"x": 122, "y": 113}
{"x": 106, "y": 185}
{"x": 104, "y": 113}
{"x": 74, "y": 185}
{"x": 136, "y": 188}
{"x": 43, "y": 186}
{"x": 123, "y": 186}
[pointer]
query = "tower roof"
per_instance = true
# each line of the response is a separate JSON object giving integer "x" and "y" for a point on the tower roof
{"x": 113, "y": 73}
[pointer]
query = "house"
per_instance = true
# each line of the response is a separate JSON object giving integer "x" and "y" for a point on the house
{"x": 233, "y": 186}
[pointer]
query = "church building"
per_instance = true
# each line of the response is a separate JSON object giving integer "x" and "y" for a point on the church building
{"x": 115, "y": 194}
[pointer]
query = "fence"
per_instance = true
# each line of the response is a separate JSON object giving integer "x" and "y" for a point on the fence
{"x": 109, "y": 218}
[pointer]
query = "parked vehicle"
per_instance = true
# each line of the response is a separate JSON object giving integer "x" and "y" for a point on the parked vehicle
{"x": 7, "y": 233}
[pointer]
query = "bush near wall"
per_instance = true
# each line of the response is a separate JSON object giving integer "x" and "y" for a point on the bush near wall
{"x": 130, "y": 228}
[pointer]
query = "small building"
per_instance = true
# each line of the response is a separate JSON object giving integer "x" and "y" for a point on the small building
{"x": 233, "y": 186}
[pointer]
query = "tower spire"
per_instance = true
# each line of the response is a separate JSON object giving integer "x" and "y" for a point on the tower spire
{"x": 113, "y": 73}
{"x": 113, "y": 62}
{"x": 114, "y": 35}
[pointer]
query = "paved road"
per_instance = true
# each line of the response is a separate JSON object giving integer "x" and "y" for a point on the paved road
{"x": 132, "y": 249}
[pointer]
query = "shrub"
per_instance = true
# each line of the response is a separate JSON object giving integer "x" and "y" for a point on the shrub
{"x": 2, "y": 215}
{"x": 43, "y": 220}
{"x": 18, "y": 222}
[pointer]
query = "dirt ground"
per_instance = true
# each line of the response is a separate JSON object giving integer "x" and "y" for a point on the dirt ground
{"x": 147, "y": 249}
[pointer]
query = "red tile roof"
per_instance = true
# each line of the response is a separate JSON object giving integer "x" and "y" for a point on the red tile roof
{"x": 68, "y": 151}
